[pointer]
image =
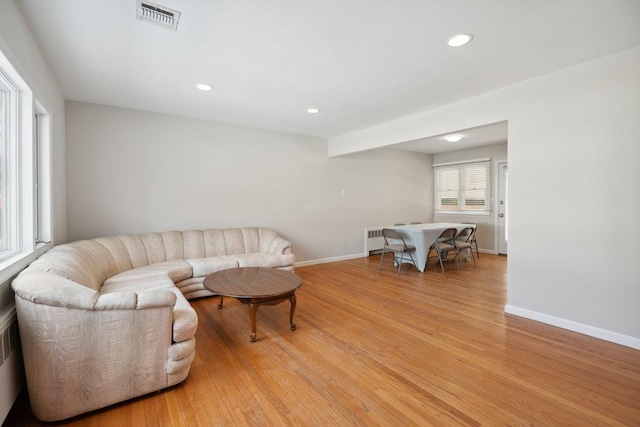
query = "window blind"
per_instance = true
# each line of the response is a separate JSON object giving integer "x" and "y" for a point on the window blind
{"x": 463, "y": 187}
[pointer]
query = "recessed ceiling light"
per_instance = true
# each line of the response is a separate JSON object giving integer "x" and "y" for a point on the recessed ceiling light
{"x": 459, "y": 40}
{"x": 453, "y": 138}
{"x": 203, "y": 86}
{"x": 313, "y": 110}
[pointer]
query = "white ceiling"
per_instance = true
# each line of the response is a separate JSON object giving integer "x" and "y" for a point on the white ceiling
{"x": 362, "y": 62}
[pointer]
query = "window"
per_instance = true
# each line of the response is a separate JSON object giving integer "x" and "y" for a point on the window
{"x": 9, "y": 107}
{"x": 463, "y": 187}
{"x": 25, "y": 202}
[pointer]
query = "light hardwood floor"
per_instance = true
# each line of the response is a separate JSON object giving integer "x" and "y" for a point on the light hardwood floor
{"x": 374, "y": 348}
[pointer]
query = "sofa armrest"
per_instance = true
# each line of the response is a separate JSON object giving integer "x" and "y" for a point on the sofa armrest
{"x": 57, "y": 291}
{"x": 280, "y": 246}
{"x": 50, "y": 289}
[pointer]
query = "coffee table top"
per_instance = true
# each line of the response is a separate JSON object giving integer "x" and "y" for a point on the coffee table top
{"x": 252, "y": 282}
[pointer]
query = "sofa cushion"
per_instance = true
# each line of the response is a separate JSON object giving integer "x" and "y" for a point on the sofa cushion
{"x": 185, "y": 319}
{"x": 193, "y": 288}
{"x": 204, "y": 266}
{"x": 180, "y": 357}
{"x": 143, "y": 284}
{"x": 177, "y": 270}
{"x": 263, "y": 260}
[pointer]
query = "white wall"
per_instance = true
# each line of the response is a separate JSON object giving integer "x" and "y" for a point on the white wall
{"x": 17, "y": 43}
{"x": 19, "y": 46}
{"x": 131, "y": 171}
{"x": 574, "y": 165}
{"x": 487, "y": 224}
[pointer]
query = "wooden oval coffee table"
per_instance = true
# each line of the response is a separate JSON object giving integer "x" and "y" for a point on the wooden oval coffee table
{"x": 256, "y": 286}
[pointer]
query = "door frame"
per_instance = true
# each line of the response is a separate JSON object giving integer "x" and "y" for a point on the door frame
{"x": 496, "y": 201}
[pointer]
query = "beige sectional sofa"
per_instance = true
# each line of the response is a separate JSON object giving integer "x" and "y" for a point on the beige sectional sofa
{"x": 106, "y": 320}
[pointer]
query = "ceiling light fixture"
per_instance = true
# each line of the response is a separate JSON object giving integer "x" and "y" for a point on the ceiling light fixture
{"x": 459, "y": 40}
{"x": 313, "y": 110}
{"x": 205, "y": 87}
{"x": 453, "y": 138}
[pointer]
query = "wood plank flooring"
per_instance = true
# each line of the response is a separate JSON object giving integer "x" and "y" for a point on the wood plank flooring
{"x": 374, "y": 348}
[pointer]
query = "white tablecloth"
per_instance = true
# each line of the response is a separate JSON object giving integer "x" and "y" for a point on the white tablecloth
{"x": 422, "y": 236}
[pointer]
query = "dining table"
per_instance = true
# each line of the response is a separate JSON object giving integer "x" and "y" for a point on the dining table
{"x": 423, "y": 236}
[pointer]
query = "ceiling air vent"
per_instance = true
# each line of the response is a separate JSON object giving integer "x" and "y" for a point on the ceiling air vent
{"x": 158, "y": 15}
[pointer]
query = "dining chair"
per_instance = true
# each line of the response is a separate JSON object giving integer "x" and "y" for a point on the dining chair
{"x": 396, "y": 248}
{"x": 473, "y": 240}
{"x": 444, "y": 245}
{"x": 463, "y": 242}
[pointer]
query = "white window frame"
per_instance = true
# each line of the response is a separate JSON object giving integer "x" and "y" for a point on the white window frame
{"x": 462, "y": 167}
{"x": 42, "y": 175}
{"x": 26, "y": 173}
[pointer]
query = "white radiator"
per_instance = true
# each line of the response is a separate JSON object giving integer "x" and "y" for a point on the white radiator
{"x": 11, "y": 370}
{"x": 8, "y": 337}
{"x": 373, "y": 240}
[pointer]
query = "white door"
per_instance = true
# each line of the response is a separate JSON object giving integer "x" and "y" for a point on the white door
{"x": 503, "y": 191}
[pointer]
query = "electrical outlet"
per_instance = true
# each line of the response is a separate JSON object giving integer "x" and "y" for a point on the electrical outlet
{"x": 344, "y": 242}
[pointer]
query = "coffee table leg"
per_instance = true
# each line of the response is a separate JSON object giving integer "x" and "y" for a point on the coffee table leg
{"x": 253, "y": 309}
{"x": 292, "y": 300}
{"x": 220, "y": 304}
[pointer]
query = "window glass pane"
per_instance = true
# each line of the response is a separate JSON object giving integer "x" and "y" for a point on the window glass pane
{"x": 3, "y": 142}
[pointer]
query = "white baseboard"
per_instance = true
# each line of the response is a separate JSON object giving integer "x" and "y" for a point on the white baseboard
{"x": 361, "y": 255}
{"x": 488, "y": 251}
{"x": 570, "y": 325}
{"x": 326, "y": 260}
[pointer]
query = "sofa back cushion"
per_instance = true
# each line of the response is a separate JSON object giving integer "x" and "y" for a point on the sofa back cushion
{"x": 136, "y": 250}
{"x": 91, "y": 262}
{"x": 230, "y": 241}
{"x": 118, "y": 251}
{"x": 267, "y": 240}
{"x": 85, "y": 262}
{"x": 193, "y": 244}
{"x": 251, "y": 237}
{"x": 214, "y": 244}
{"x": 154, "y": 246}
{"x": 234, "y": 240}
{"x": 173, "y": 245}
